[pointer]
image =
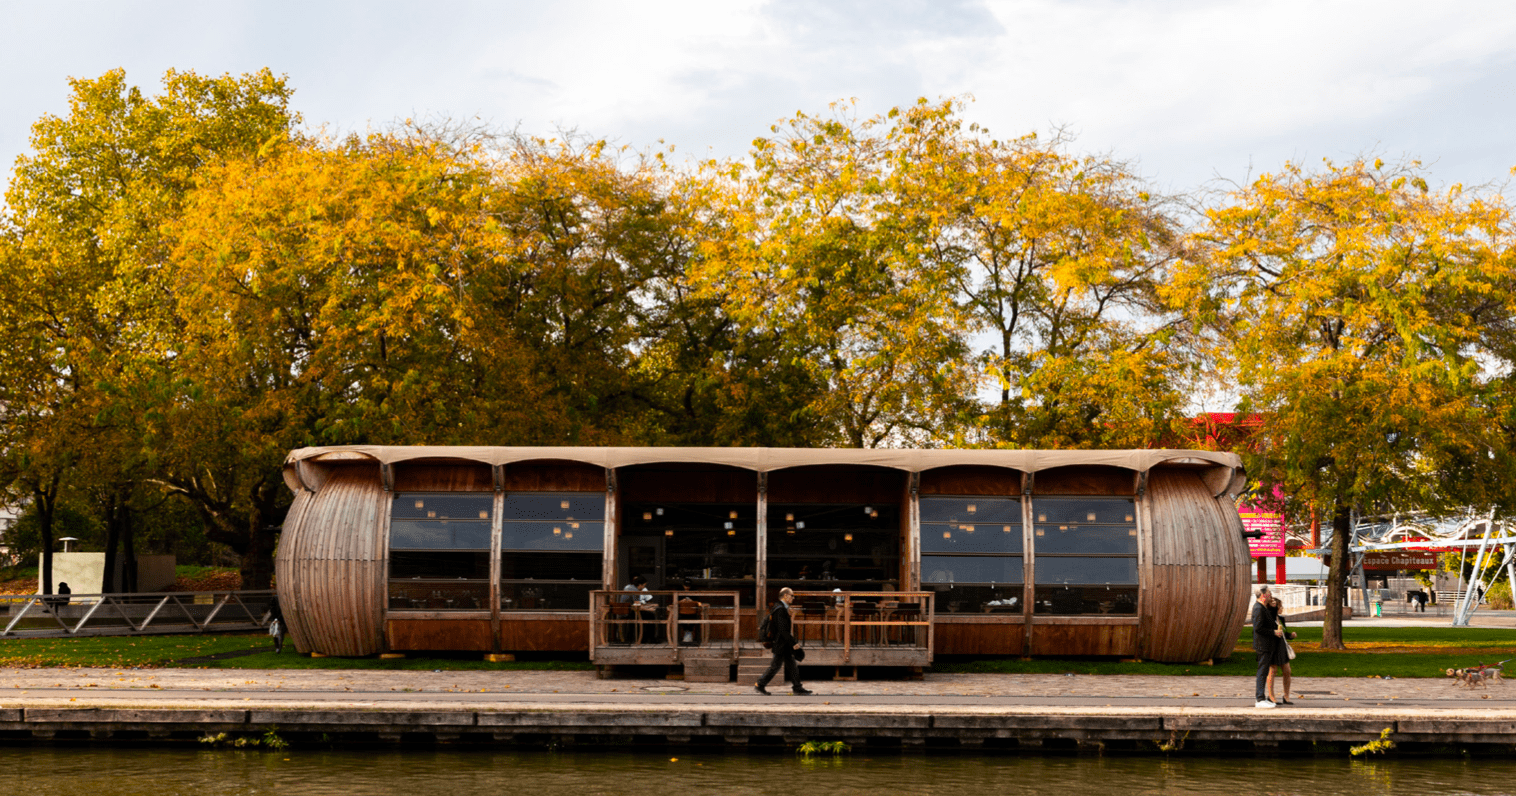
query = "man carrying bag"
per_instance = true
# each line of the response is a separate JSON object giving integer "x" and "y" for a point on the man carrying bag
{"x": 779, "y": 631}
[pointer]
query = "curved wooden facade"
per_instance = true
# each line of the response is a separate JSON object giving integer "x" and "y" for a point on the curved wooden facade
{"x": 528, "y": 533}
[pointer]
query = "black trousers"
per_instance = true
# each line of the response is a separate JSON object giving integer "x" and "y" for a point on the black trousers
{"x": 1261, "y": 685}
{"x": 783, "y": 656}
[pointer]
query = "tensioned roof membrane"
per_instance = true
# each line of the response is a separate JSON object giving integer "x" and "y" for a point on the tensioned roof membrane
{"x": 1223, "y": 471}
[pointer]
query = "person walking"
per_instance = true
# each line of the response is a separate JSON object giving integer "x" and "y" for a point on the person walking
{"x": 783, "y": 646}
{"x": 1283, "y": 651}
{"x": 1266, "y": 636}
{"x": 276, "y": 623}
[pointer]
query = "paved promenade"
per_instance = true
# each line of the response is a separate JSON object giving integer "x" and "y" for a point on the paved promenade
{"x": 473, "y": 690}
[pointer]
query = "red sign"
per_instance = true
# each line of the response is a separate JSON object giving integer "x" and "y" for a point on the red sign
{"x": 1381, "y": 560}
{"x": 1271, "y": 524}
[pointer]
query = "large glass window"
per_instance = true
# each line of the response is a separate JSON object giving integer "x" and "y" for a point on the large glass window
{"x": 701, "y": 545}
{"x": 971, "y": 553}
{"x": 440, "y": 551}
{"x": 1086, "y": 555}
{"x": 853, "y": 547}
{"x": 550, "y": 550}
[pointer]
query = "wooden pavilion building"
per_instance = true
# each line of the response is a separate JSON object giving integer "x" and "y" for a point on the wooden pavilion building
{"x": 895, "y": 555}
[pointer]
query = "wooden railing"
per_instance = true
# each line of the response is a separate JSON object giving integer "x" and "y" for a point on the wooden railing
{"x": 864, "y": 618}
{"x": 66, "y": 615}
{"x": 671, "y": 619}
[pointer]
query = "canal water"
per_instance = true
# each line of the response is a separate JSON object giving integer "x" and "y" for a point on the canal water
{"x": 87, "y": 771}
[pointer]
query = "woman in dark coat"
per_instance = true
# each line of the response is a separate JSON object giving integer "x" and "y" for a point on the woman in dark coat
{"x": 1281, "y": 663}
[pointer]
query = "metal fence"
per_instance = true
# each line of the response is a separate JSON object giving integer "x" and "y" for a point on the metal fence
{"x": 80, "y": 615}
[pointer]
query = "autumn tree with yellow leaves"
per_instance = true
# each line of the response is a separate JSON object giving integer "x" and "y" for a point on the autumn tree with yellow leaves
{"x": 1350, "y": 308}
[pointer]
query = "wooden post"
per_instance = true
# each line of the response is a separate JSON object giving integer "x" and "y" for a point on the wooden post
{"x": 608, "y": 555}
{"x": 913, "y": 537}
{"x": 496, "y": 530}
{"x": 1263, "y": 569}
{"x": 761, "y": 541}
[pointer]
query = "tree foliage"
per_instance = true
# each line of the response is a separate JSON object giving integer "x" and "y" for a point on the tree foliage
{"x": 1350, "y": 306}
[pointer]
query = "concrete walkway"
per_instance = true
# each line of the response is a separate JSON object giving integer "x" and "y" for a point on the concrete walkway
{"x": 473, "y": 690}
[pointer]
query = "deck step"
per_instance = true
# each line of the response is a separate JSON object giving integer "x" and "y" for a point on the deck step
{"x": 707, "y": 671}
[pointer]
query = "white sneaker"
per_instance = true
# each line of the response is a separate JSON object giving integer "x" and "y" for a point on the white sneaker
{"x": 1264, "y": 704}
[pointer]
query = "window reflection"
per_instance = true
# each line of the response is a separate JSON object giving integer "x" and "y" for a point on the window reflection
{"x": 440, "y": 551}
{"x": 1085, "y": 556}
{"x": 971, "y": 549}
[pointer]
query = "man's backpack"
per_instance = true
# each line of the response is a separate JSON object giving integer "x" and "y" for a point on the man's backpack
{"x": 766, "y": 629}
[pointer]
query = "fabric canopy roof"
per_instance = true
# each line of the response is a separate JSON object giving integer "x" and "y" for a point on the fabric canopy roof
{"x": 1223, "y": 472}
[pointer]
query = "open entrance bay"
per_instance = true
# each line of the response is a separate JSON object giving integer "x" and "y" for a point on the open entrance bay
{"x": 213, "y": 772}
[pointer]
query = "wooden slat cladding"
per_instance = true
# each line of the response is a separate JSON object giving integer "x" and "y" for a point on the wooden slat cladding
{"x": 1102, "y": 640}
{"x": 1239, "y": 582}
{"x": 1090, "y": 480}
{"x": 434, "y": 477}
{"x": 330, "y": 564}
{"x": 978, "y": 638}
{"x": 836, "y": 484}
{"x": 1192, "y": 610}
{"x": 566, "y": 634}
{"x": 691, "y": 483}
{"x": 971, "y": 480}
{"x": 554, "y": 476}
{"x": 441, "y": 634}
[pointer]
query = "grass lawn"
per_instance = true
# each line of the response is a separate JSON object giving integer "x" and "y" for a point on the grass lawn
{"x": 169, "y": 651}
{"x": 1382, "y": 652}
{"x": 1373, "y": 652}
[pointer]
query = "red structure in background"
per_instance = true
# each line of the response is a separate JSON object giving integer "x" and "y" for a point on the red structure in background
{"x": 1231, "y": 431}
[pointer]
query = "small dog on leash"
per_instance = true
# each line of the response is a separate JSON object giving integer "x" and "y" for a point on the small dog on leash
{"x": 1479, "y": 675}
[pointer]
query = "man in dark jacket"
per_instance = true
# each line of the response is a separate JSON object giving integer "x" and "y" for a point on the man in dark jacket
{"x": 1266, "y": 635}
{"x": 784, "y": 646}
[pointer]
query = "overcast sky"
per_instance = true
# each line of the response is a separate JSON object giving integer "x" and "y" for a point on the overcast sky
{"x": 1189, "y": 90}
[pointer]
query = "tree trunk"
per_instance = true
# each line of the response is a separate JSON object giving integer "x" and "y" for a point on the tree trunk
{"x": 108, "y": 582}
{"x": 128, "y": 549}
{"x": 46, "y": 497}
{"x": 1342, "y": 532}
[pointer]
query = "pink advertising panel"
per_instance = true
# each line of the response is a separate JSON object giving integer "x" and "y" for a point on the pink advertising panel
{"x": 1271, "y": 523}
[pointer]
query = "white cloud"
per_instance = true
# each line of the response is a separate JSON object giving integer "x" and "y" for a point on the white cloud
{"x": 1191, "y": 88}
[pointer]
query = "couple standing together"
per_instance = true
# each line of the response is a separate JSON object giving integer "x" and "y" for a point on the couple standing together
{"x": 1272, "y": 643}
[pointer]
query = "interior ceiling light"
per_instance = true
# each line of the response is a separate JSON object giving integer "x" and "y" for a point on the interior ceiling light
{"x": 972, "y": 508}
{"x": 731, "y": 533}
{"x": 647, "y": 516}
{"x": 1040, "y": 532}
{"x": 847, "y": 537}
{"x": 1005, "y": 529}
{"x": 564, "y": 505}
{"x": 787, "y": 517}
{"x": 431, "y": 514}
{"x": 484, "y": 515}
{"x": 1090, "y": 517}
{"x": 732, "y": 514}
{"x": 420, "y": 504}
{"x": 947, "y": 534}
{"x": 569, "y": 535}
{"x": 1128, "y": 518}
{"x": 669, "y": 532}
{"x": 557, "y": 531}
{"x": 1042, "y": 518}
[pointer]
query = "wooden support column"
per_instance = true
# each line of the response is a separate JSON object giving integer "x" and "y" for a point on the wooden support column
{"x": 1028, "y": 565}
{"x": 760, "y": 576}
{"x": 913, "y": 537}
{"x": 495, "y": 544}
{"x": 608, "y": 555}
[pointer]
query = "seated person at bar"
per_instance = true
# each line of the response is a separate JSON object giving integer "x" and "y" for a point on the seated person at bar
{"x": 650, "y": 613}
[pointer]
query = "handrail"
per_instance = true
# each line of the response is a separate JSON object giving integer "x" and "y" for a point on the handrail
{"x": 841, "y": 613}
{"x": 604, "y": 602}
{"x": 135, "y": 613}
